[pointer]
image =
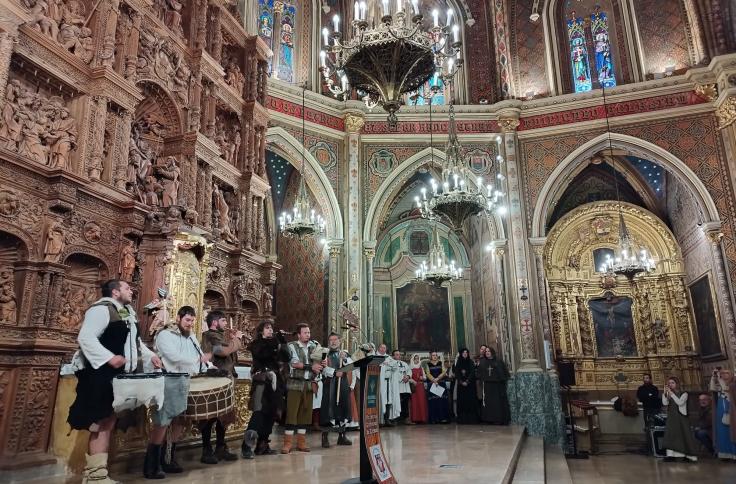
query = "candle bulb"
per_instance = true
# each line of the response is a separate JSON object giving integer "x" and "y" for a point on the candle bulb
{"x": 326, "y": 35}
{"x": 450, "y": 64}
{"x": 356, "y": 11}
{"x": 399, "y": 6}
{"x": 385, "y": 7}
{"x": 362, "y": 10}
{"x": 323, "y": 58}
{"x": 415, "y": 6}
{"x": 436, "y": 81}
{"x": 436, "y": 17}
{"x": 449, "y": 16}
{"x": 455, "y": 31}
{"x": 336, "y": 22}
{"x": 231, "y": 322}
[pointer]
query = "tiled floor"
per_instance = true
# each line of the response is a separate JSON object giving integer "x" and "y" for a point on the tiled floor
{"x": 478, "y": 453}
{"x": 640, "y": 469}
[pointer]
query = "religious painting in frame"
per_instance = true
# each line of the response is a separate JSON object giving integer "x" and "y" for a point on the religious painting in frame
{"x": 613, "y": 322}
{"x": 423, "y": 318}
{"x": 705, "y": 312}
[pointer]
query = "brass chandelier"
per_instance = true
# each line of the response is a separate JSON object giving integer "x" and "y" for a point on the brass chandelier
{"x": 459, "y": 194}
{"x": 437, "y": 269}
{"x": 387, "y": 53}
{"x": 302, "y": 221}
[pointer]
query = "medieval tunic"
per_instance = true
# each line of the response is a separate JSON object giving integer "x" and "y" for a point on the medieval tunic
{"x": 678, "y": 436}
{"x": 108, "y": 329}
{"x": 493, "y": 376}
{"x": 269, "y": 386}
{"x": 179, "y": 354}
{"x": 332, "y": 412}
{"x": 214, "y": 341}
{"x": 299, "y": 385}
{"x": 419, "y": 395}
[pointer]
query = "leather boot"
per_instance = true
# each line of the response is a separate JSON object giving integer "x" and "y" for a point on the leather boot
{"x": 301, "y": 443}
{"x": 171, "y": 467}
{"x": 249, "y": 441}
{"x": 152, "y": 463}
{"x": 343, "y": 440}
{"x": 208, "y": 455}
{"x": 288, "y": 439}
{"x": 326, "y": 440}
{"x": 223, "y": 453}
{"x": 95, "y": 470}
{"x": 263, "y": 448}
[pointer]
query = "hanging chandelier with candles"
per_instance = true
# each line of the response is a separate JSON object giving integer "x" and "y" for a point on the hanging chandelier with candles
{"x": 438, "y": 269}
{"x": 386, "y": 52}
{"x": 627, "y": 260}
{"x": 302, "y": 221}
{"x": 459, "y": 193}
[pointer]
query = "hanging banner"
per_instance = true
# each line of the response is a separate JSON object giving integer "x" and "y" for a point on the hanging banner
{"x": 371, "y": 416}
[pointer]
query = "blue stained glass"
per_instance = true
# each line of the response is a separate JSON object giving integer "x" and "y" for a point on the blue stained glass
{"x": 602, "y": 43}
{"x": 265, "y": 21}
{"x": 286, "y": 53}
{"x": 438, "y": 99}
{"x": 579, "y": 55}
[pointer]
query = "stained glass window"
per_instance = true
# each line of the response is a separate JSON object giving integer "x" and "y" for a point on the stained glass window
{"x": 277, "y": 28}
{"x": 438, "y": 98}
{"x": 602, "y": 44}
{"x": 286, "y": 52}
{"x": 579, "y": 60}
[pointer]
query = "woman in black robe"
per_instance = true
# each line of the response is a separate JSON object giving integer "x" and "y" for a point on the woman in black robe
{"x": 493, "y": 375}
{"x": 465, "y": 393}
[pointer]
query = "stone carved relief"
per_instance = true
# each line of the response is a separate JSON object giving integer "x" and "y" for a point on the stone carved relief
{"x": 267, "y": 301}
{"x": 127, "y": 261}
{"x": 8, "y": 303}
{"x": 228, "y": 139}
{"x": 233, "y": 74}
{"x": 37, "y": 127}
{"x": 64, "y": 21}
{"x": 92, "y": 232}
{"x": 55, "y": 242}
{"x": 586, "y": 337}
{"x": 76, "y": 299}
{"x": 9, "y": 203}
{"x": 169, "y": 178}
{"x": 158, "y": 58}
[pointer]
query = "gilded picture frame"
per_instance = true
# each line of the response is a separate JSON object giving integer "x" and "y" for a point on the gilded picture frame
{"x": 706, "y": 316}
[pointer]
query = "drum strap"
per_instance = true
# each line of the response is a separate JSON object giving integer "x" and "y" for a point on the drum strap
{"x": 199, "y": 351}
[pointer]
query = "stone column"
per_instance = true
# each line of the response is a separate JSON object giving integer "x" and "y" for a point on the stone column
{"x": 207, "y": 194}
{"x": 107, "y": 25}
{"x": 723, "y": 280}
{"x": 131, "y": 48}
{"x": 120, "y": 155}
{"x": 278, "y": 8}
{"x": 354, "y": 122}
{"x": 540, "y": 288}
{"x": 7, "y": 40}
{"x": 217, "y": 39}
{"x": 247, "y": 217}
{"x": 97, "y": 119}
{"x": 335, "y": 248}
{"x": 533, "y": 393}
{"x": 369, "y": 252}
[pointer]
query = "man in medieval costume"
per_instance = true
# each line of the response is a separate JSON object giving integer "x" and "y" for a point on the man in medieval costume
{"x": 335, "y": 409}
{"x": 109, "y": 345}
{"x": 391, "y": 376}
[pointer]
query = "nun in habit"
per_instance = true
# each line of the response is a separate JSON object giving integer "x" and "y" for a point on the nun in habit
{"x": 493, "y": 375}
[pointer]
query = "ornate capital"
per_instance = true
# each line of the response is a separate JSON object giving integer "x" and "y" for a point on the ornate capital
{"x": 335, "y": 251}
{"x": 715, "y": 236}
{"x": 508, "y": 125}
{"x": 369, "y": 253}
{"x": 707, "y": 91}
{"x": 354, "y": 122}
{"x": 726, "y": 112}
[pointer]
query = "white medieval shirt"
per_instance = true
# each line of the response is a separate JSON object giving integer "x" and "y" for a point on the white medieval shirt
{"x": 391, "y": 375}
{"x": 179, "y": 353}
{"x": 94, "y": 324}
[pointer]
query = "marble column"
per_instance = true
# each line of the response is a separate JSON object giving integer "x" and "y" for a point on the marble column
{"x": 533, "y": 392}
{"x": 278, "y": 9}
{"x": 724, "y": 287}
{"x": 107, "y": 25}
{"x": 353, "y": 214}
{"x": 540, "y": 288}
{"x": 335, "y": 249}
{"x": 369, "y": 252}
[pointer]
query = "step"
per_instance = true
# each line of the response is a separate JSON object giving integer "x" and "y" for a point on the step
{"x": 556, "y": 469}
{"x": 530, "y": 467}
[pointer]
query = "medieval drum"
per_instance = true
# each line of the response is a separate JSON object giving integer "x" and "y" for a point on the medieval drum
{"x": 209, "y": 398}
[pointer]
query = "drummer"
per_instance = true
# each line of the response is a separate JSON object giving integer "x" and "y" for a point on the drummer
{"x": 224, "y": 345}
{"x": 180, "y": 353}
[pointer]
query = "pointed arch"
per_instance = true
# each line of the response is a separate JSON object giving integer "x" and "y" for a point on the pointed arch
{"x": 391, "y": 186}
{"x": 313, "y": 175}
{"x": 561, "y": 176}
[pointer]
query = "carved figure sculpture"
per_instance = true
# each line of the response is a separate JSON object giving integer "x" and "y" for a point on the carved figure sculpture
{"x": 8, "y": 305}
{"x": 172, "y": 17}
{"x": 169, "y": 175}
{"x": 54, "y": 243}
{"x": 32, "y": 134}
{"x": 223, "y": 214}
{"x": 267, "y": 301}
{"x": 11, "y": 123}
{"x": 127, "y": 261}
{"x": 63, "y": 137}
{"x": 234, "y": 148}
{"x": 234, "y": 76}
{"x": 152, "y": 188}
{"x": 42, "y": 21}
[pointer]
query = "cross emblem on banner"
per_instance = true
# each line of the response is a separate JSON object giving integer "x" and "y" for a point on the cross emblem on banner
{"x": 526, "y": 326}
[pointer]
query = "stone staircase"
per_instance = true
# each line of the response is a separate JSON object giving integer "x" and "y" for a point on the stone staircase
{"x": 540, "y": 463}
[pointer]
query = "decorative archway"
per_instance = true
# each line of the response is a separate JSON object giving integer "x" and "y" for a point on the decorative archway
{"x": 313, "y": 175}
{"x": 392, "y": 185}
{"x": 561, "y": 176}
